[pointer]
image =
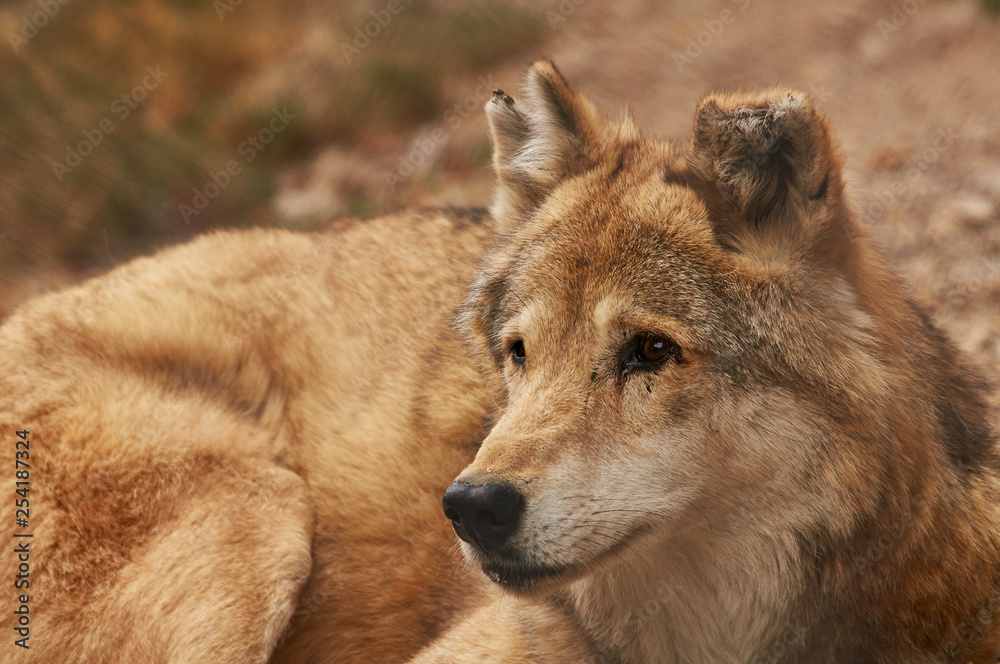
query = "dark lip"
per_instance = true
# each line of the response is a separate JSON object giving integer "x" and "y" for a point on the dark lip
{"x": 524, "y": 578}
{"x": 520, "y": 577}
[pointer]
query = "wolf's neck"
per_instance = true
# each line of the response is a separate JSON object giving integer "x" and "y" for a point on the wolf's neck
{"x": 714, "y": 602}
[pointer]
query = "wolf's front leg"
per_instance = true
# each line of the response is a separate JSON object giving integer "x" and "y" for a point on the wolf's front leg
{"x": 511, "y": 631}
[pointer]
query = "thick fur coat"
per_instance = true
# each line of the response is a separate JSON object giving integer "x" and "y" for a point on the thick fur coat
{"x": 695, "y": 416}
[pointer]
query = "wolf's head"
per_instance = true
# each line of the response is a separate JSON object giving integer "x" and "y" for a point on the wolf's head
{"x": 695, "y": 342}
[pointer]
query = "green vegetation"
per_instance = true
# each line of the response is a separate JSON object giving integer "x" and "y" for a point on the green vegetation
{"x": 115, "y": 114}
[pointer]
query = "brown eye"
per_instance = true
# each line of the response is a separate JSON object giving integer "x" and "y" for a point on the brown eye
{"x": 647, "y": 352}
{"x": 654, "y": 348}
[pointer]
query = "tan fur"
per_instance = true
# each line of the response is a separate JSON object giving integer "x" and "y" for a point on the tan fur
{"x": 239, "y": 446}
{"x": 200, "y": 447}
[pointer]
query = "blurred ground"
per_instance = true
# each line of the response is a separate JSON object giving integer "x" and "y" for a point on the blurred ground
{"x": 321, "y": 109}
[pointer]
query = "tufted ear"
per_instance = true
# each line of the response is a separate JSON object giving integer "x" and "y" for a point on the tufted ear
{"x": 769, "y": 160}
{"x": 548, "y": 134}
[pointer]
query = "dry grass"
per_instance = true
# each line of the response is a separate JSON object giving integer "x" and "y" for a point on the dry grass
{"x": 227, "y": 67}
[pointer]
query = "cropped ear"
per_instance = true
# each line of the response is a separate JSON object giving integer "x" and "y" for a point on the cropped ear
{"x": 549, "y": 134}
{"x": 769, "y": 158}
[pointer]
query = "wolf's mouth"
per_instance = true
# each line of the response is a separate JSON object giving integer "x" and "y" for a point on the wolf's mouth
{"x": 520, "y": 577}
{"x": 512, "y": 571}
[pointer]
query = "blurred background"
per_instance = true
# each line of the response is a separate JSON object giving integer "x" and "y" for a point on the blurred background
{"x": 129, "y": 125}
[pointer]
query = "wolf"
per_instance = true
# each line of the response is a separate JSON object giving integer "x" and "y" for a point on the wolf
{"x": 669, "y": 396}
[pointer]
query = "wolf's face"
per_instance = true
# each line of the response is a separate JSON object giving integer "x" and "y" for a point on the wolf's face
{"x": 674, "y": 328}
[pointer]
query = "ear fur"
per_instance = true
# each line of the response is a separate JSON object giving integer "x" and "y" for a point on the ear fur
{"x": 550, "y": 134}
{"x": 769, "y": 156}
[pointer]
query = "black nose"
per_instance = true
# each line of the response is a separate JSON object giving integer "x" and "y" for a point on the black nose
{"x": 483, "y": 514}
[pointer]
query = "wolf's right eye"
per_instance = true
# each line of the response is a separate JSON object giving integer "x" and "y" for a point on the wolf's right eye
{"x": 517, "y": 352}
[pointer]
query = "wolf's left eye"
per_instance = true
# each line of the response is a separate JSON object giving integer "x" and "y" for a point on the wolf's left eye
{"x": 648, "y": 351}
{"x": 653, "y": 348}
